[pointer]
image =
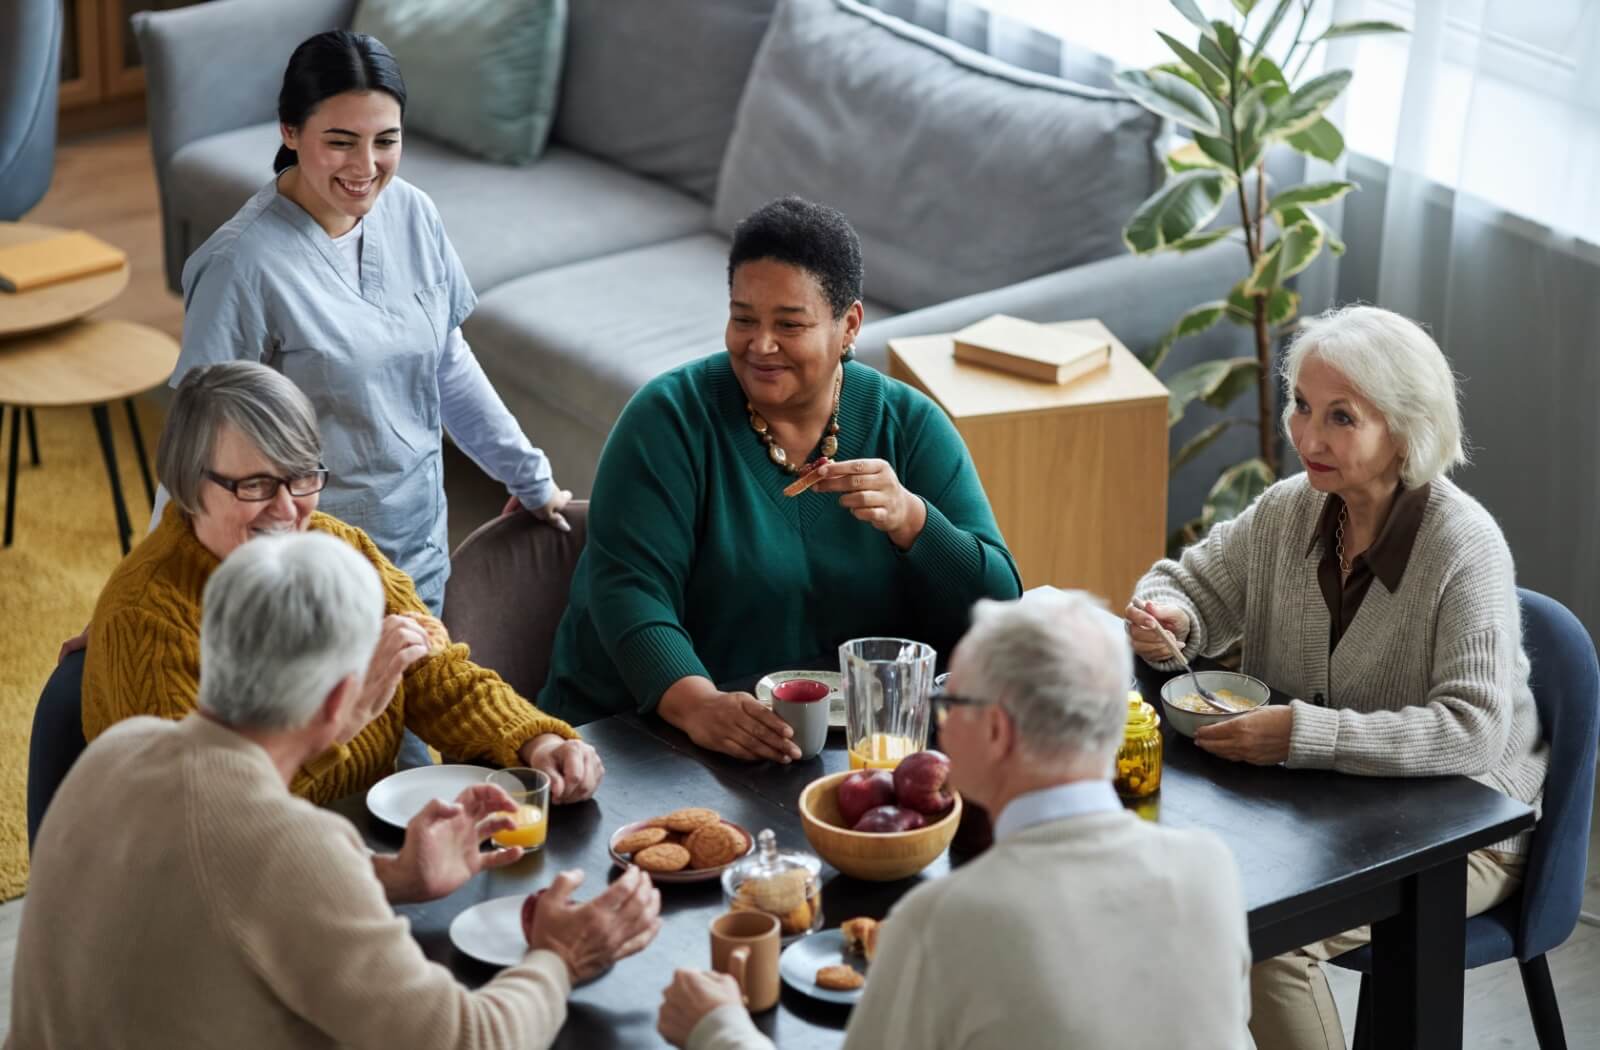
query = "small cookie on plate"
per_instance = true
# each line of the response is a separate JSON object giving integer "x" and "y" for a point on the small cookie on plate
{"x": 634, "y": 841}
{"x": 714, "y": 845}
{"x": 662, "y": 857}
{"x": 860, "y": 937}
{"x": 686, "y": 820}
{"x": 839, "y": 978}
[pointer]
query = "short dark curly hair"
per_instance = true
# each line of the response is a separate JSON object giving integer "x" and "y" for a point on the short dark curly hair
{"x": 814, "y": 237}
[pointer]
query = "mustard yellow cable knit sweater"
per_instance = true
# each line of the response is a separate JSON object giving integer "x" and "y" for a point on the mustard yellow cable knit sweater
{"x": 144, "y": 659}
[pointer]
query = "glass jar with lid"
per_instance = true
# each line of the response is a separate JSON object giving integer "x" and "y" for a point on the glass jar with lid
{"x": 780, "y": 882}
{"x": 1138, "y": 770}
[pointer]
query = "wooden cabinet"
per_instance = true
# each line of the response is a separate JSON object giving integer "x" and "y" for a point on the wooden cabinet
{"x": 102, "y": 77}
{"x": 1077, "y": 474}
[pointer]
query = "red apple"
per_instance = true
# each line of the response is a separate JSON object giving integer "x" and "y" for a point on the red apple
{"x": 883, "y": 819}
{"x": 863, "y": 790}
{"x": 921, "y": 782}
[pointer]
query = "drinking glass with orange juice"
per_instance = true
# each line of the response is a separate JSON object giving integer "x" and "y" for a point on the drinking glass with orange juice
{"x": 530, "y": 790}
{"x": 887, "y": 682}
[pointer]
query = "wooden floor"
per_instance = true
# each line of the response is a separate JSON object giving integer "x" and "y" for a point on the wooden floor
{"x": 105, "y": 184}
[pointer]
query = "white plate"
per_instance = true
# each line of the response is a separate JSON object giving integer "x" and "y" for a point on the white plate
{"x": 399, "y": 797}
{"x": 832, "y": 679}
{"x": 491, "y": 932}
{"x": 799, "y": 963}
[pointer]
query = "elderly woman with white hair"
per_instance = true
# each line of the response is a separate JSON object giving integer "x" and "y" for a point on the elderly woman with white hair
{"x": 242, "y": 457}
{"x": 1379, "y": 595}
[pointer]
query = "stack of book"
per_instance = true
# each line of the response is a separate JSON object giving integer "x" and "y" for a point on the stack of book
{"x": 51, "y": 260}
{"x": 1041, "y": 352}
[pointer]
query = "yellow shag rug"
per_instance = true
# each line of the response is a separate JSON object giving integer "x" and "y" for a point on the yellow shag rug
{"x": 64, "y": 548}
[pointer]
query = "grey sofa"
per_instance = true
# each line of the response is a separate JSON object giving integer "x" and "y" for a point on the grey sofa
{"x": 976, "y": 187}
{"x": 30, "y": 49}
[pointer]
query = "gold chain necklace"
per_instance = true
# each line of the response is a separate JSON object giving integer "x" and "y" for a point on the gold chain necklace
{"x": 830, "y": 435}
{"x": 1344, "y": 566}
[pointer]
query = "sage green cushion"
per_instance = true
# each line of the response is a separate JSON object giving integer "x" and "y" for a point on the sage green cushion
{"x": 482, "y": 75}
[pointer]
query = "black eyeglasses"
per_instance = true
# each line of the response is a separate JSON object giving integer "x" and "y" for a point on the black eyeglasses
{"x": 259, "y": 488}
{"x": 944, "y": 701}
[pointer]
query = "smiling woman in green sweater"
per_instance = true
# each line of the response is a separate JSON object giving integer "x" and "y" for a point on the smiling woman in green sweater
{"x": 699, "y": 570}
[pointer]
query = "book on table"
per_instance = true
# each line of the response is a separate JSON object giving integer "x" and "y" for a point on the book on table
{"x": 50, "y": 260}
{"x": 1042, "y": 352}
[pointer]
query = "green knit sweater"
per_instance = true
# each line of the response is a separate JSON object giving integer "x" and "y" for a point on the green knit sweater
{"x": 698, "y": 564}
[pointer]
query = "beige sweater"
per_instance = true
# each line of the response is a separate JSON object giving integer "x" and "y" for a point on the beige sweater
{"x": 1428, "y": 680}
{"x": 181, "y": 897}
{"x": 1098, "y": 930}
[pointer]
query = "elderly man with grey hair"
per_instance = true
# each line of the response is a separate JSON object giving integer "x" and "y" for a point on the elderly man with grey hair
{"x": 182, "y": 897}
{"x": 1377, "y": 593}
{"x": 1082, "y": 926}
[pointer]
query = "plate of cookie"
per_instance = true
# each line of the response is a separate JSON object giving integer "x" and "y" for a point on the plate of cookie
{"x": 687, "y": 845}
{"x": 831, "y": 965}
{"x": 838, "y": 717}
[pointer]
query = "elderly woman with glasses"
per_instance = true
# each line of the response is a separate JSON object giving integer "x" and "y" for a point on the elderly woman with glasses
{"x": 241, "y": 457}
{"x": 1378, "y": 594}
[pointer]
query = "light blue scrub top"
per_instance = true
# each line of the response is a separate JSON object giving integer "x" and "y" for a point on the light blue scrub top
{"x": 269, "y": 286}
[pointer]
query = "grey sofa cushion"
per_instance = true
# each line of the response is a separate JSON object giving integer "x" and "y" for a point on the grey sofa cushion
{"x": 653, "y": 84}
{"x": 960, "y": 173}
{"x": 504, "y": 222}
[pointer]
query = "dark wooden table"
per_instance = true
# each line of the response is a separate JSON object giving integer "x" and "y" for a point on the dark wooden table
{"x": 1319, "y": 853}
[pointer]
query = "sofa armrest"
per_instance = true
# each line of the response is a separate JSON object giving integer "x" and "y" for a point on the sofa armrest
{"x": 214, "y": 67}
{"x": 1139, "y": 299}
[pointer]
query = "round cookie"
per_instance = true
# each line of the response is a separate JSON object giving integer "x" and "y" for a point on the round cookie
{"x": 662, "y": 857}
{"x": 839, "y": 978}
{"x": 634, "y": 841}
{"x": 714, "y": 845}
{"x": 687, "y": 819}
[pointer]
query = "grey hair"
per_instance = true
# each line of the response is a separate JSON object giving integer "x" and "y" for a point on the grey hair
{"x": 263, "y": 405}
{"x": 287, "y": 618}
{"x": 1398, "y": 367}
{"x": 1059, "y": 663}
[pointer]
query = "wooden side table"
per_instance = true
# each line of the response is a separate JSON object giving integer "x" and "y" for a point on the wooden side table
{"x": 22, "y": 313}
{"x": 89, "y": 363}
{"x": 1077, "y": 474}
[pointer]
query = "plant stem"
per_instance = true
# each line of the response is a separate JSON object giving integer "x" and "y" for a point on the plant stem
{"x": 1265, "y": 418}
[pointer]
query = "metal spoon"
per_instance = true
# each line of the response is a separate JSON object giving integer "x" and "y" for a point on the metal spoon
{"x": 1177, "y": 653}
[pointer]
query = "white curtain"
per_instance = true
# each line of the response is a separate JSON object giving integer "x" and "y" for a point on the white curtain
{"x": 1489, "y": 229}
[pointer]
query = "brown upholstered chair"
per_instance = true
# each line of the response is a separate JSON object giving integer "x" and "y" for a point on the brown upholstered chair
{"x": 508, "y": 588}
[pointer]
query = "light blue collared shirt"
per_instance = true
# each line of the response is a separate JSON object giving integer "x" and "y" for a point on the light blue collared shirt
{"x": 1056, "y": 803}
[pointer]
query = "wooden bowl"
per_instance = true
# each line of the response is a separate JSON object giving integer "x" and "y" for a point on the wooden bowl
{"x": 867, "y": 855}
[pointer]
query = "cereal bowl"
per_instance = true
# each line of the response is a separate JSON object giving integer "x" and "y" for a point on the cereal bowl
{"x": 1186, "y": 712}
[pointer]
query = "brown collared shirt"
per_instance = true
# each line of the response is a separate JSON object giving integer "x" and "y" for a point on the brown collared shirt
{"x": 1386, "y": 559}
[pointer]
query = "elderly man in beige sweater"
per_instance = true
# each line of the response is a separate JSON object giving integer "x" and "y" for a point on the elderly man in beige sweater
{"x": 182, "y": 897}
{"x": 1083, "y": 926}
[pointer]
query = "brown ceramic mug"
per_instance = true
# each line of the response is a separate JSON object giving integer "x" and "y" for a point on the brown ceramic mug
{"x": 744, "y": 945}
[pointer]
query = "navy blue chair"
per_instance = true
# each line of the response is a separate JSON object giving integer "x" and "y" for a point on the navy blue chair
{"x": 57, "y": 738}
{"x": 30, "y": 75}
{"x": 1538, "y": 918}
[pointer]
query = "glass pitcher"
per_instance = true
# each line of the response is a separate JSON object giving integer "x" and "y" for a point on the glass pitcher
{"x": 887, "y": 682}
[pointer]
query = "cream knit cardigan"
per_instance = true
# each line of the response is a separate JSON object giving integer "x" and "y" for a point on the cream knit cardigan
{"x": 1430, "y": 679}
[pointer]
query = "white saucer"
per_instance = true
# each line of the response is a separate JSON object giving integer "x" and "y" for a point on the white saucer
{"x": 837, "y": 717}
{"x": 491, "y": 932}
{"x": 799, "y": 963}
{"x": 397, "y": 798}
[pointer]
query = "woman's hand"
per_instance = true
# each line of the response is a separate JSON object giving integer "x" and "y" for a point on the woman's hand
{"x": 73, "y": 644}
{"x": 441, "y": 850}
{"x": 873, "y": 494}
{"x": 735, "y": 724}
{"x": 550, "y": 513}
{"x": 574, "y": 768}
{"x": 401, "y": 643}
{"x": 689, "y": 998}
{"x": 590, "y": 937}
{"x": 1260, "y": 738}
{"x": 1147, "y": 641}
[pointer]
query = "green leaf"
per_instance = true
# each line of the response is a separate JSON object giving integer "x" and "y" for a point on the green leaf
{"x": 1168, "y": 95}
{"x": 1179, "y": 208}
{"x": 1360, "y": 29}
{"x": 1281, "y": 306}
{"x": 1250, "y": 117}
{"x": 1219, "y": 150}
{"x": 1305, "y": 107}
{"x": 1191, "y": 10}
{"x": 1301, "y": 244}
{"x": 1264, "y": 70}
{"x": 1311, "y": 195}
{"x": 1290, "y": 216}
{"x": 1204, "y": 381}
{"x": 1189, "y": 157}
{"x": 1178, "y": 69}
{"x": 1321, "y": 140}
{"x": 1194, "y": 322}
{"x": 1235, "y": 490}
{"x": 1265, "y": 277}
{"x": 1266, "y": 34}
{"x": 1215, "y": 80}
{"x": 1194, "y": 242}
{"x": 1214, "y": 54}
{"x": 1200, "y": 442}
{"x": 1241, "y": 379}
{"x": 1244, "y": 7}
{"x": 1228, "y": 42}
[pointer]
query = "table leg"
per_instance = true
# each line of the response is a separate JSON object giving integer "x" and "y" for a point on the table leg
{"x": 11, "y": 472}
{"x": 33, "y": 440}
{"x": 1419, "y": 963}
{"x": 138, "y": 448}
{"x": 108, "y": 450}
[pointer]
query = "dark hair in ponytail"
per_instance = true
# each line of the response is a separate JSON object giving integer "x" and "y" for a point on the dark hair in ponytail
{"x": 330, "y": 64}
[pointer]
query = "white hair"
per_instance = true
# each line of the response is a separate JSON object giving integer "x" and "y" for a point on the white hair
{"x": 287, "y": 618}
{"x": 1398, "y": 367}
{"x": 1059, "y": 664}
